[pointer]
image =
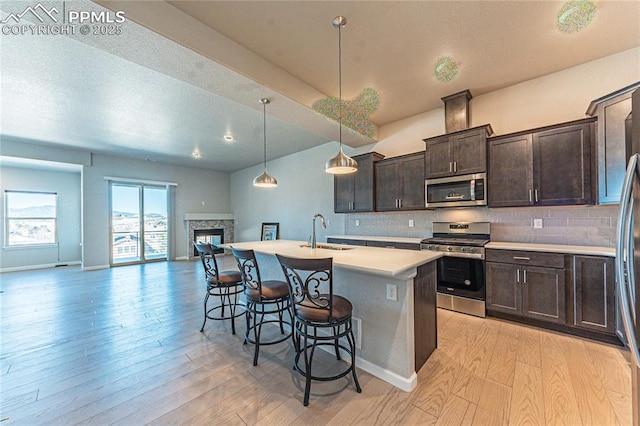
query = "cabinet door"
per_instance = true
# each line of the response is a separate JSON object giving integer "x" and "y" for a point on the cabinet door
{"x": 503, "y": 289}
{"x": 543, "y": 294}
{"x": 469, "y": 152}
{"x": 343, "y": 193}
{"x": 510, "y": 175}
{"x": 363, "y": 193}
{"x": 438, "y": 162}
{"x": 386, "y": 185}
{"x": 411, "y": 170}
{"x": 594, "y": 294}
{"x": 562, "y": 165}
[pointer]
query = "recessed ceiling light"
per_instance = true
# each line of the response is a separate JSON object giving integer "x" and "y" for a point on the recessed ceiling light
{"x": 228, "y": 138}
{"x": 575, "y": 15}
{"x": 445, "y": 69}
{"x": 195, "y": 154}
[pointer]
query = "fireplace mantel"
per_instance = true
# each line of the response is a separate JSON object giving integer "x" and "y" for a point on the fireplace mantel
{"x": 208, "y": 216}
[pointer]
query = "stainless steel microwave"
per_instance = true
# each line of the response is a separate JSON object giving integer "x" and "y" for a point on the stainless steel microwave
{"x": 456, "y": 191}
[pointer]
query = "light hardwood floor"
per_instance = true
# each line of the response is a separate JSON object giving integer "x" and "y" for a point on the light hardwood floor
{"x": 123, "y": 346}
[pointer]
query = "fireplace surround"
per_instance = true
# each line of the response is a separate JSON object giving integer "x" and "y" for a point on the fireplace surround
{"x": 220, "y": 223}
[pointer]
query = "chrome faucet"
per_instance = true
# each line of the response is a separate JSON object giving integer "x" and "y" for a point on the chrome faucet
{"x": 313, "y": 234}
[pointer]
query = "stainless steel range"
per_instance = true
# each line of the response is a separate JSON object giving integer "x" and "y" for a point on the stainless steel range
{"x": 461, "y": 271}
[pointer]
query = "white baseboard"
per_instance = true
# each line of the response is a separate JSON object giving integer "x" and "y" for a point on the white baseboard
{"x": 182, "y": 258}
{"x": 96, "y": 267}
{"x": 406, "y": 384}
{"x": 34, "y": 267}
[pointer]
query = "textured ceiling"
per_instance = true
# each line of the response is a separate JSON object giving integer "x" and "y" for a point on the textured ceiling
{"x": 185, "y": 73}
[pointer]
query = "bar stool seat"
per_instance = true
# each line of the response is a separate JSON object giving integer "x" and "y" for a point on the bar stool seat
{"x": 222, "y": 285}
{"x": 271, "y": 289}
{"x": 342, "y": 308}
{"x": 321, "y": 319}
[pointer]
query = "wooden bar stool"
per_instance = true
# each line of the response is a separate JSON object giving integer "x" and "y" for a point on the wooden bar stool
{"x": 314, "y": 311}
{"x": 225, "y": 285}
{"x": 266, "y": 297}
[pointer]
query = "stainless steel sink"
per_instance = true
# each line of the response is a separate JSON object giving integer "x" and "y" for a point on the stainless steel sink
{"x": 328, "y": 247}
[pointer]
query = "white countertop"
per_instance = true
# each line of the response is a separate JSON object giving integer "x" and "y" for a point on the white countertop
{"x": 553, "y": 248}
{"x": 378, "y": 238}
{"x": 374, "y": 260}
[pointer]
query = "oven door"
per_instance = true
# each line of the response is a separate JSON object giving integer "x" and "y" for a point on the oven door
{"x": 463, "y": 277}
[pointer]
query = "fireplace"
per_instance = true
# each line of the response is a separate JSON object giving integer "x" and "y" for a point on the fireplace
{"x": 213, "y": 236}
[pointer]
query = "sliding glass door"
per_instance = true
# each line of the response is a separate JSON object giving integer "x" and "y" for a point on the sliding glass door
{"x": 139, "y": 231}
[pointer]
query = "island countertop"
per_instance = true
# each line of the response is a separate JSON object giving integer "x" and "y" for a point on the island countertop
{"x": 373, "y": 260}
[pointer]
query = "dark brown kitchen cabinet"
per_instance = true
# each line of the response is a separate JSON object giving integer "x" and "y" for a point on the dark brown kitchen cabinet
{"x": 355, "y": 192}
{"x": 612, "y": 152}
{"x": 400, "y": 183}
{"x": 459, "y": 153}
{"x": 526, "y": 284}
{"x": 593, "y": 293}
{"x": 510, "y": 177}
{"x": 543, "y": 167}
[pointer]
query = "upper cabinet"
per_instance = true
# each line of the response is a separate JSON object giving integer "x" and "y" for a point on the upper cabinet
{"x": 547, "y": 166}
{"x": 355, "y": 192}
{"x": 612, "y": 152}
{"x": 459, "y": 153}
{"x": 400, "y": 183}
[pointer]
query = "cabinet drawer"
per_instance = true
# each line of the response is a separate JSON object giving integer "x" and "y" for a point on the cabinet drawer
{"x": 518, "y": 257}
{"x": 391, "y": 244}
{"x": 348, "y": 241}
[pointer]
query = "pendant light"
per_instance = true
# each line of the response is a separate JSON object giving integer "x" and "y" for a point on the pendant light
{"x": 265, "y": 180}
{"x": 341, "y": 163}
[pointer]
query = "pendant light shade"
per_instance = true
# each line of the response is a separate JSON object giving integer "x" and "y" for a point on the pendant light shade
{"x": 265, "y": 180}
{"x": 341, "y": 163}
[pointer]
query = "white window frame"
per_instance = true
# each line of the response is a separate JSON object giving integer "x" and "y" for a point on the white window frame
{"x": 9, "y": 218}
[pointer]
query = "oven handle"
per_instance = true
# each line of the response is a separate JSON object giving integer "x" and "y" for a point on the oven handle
{"x": 464, "y": 255}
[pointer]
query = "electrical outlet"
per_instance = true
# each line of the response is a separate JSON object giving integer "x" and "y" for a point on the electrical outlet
{"x": 411, "y": 223}
{"x": 537, "y": 223}
{"x": 357, "y": 222}
{"x": 392, "y": 292}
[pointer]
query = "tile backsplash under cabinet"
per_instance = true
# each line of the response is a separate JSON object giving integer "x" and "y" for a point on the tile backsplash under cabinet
{"x": 573, "y": 225}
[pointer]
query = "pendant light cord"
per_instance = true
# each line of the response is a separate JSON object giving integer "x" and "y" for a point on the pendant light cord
{"x": 264, "y": 132}
{"x": 340, "y": 81}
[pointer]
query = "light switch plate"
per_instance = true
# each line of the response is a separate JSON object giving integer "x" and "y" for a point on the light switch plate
{"x": 537, "y": 223}
{"x": 411, "y": 223}
{"x": 357, "y": 222}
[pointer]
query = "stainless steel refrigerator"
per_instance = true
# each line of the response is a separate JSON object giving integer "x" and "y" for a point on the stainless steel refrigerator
{"x": 628, "y": 253}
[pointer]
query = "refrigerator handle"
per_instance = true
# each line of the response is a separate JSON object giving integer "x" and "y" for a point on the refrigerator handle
{"x": 624, "y": 241}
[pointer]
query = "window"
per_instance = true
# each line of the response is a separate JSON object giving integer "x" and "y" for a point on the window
{"x": 30, "y": 218}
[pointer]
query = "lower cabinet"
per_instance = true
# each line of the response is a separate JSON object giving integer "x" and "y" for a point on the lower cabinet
{"x": 520, "y": 289}
{"x": 593, "y": 293}
{"x": 564, "y": 292}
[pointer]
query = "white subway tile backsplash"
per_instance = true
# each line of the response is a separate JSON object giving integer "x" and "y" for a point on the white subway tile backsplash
{"x": 579, "y": 225}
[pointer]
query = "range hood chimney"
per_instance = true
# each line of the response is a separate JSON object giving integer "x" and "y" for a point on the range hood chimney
{"x": 456, "y": 111}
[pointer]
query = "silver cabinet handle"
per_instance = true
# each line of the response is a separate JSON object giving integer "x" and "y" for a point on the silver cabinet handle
{"x": 450, "y": 167}
{"x": 536, "y": 194}
{"x": 455, "y": 166}
{"x": 521, "y": 258}
{"x": 517, "y": 275}
{"x": 530, "y": 196}
{"x": 624, "y": 249}
{"x": 399, "y": 203}
{"x": 524, "y": 272}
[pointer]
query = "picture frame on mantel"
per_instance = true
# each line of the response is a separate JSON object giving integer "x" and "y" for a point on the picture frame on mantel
{"x": 270, "y": 231}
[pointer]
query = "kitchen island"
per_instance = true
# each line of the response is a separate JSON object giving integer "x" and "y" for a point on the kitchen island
{"x": 394, "y": 337}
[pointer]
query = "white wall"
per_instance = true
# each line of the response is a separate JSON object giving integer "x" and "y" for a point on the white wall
{"x": 67, "y": 186}
{"x": 195, "y": 187}
{"x": 304, "y": 188}
{"x": 550, "y": 99}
